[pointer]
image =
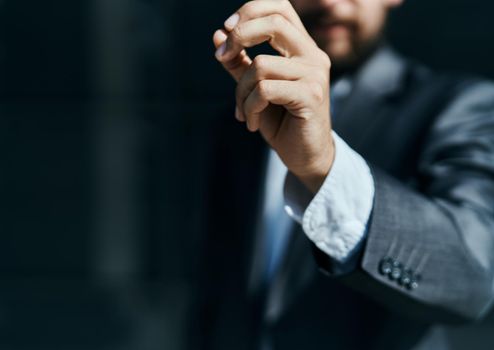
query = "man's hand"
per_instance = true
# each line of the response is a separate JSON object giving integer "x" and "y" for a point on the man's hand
{"x": 285, "y": 97}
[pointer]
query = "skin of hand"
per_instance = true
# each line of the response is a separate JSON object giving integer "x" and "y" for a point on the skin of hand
{"x": 286, "y": 97}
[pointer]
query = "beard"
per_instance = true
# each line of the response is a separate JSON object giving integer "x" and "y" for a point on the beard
{"x": 348, "y": 51}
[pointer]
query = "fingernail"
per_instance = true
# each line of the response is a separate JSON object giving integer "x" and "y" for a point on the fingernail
{"x": 221, "y": 35}
{"x": 221, "y": 50}
{"x": 232, "y": 21}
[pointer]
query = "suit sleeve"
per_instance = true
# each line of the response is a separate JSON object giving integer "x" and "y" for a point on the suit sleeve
{"x": 429, "y": 251}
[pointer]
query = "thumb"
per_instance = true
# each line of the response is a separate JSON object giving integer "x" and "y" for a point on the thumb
{"x": 238, "y": 65}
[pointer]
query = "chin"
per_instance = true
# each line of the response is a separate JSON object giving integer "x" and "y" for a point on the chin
{"x": 346, "y": 55}
{"x": 341, "y": 54}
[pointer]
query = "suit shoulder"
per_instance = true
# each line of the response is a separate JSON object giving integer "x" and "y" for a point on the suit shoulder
{"x": 456, "y": 92}
{"x": 471, "y": 100}
{"x": 459, "y": 85}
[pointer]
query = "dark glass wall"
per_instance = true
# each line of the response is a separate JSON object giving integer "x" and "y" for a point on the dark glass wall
{"x": 106, "y": 109}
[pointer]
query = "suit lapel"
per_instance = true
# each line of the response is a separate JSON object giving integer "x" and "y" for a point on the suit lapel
{"x": 358, "y": 116}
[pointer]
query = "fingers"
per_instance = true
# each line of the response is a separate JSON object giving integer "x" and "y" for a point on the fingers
{"x": 266, "y": 67}
{"x": 295, "y": 96}
{"x": 257, "y": 9}
{"x": 276, "y": 29}
{"x": 238, "y": 64}
{"x": 295, "y": 82}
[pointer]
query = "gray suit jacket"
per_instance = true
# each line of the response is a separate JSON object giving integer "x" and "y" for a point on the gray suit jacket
{"x": 429, "y": 253}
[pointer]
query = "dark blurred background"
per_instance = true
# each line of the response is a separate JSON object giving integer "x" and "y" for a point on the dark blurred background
{"x": 105, "y": 117}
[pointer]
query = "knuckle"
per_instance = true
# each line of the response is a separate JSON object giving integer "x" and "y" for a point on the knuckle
{"x": 325, "y": 60}
{"x": 285, "y": 5}
{"x": 248, "y": 8}
{"x": 263, "y": 89}
{"x": 260, "y": 64}
{"x": 286, "y": 10}
{"x": 316, "y": 91}
{"x": 277, "y": 20}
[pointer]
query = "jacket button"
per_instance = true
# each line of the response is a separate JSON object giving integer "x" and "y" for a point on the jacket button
{"x": 406, "y": 278}
{"x": 414, "y": 282}
{"x": 396, "y": 271}
{"x": 385, "y": 266}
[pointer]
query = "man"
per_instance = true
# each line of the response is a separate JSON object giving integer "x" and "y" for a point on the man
{"x": 389, "y": 172}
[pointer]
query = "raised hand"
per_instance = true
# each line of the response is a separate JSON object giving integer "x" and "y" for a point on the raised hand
{"x": 286, "y": 97}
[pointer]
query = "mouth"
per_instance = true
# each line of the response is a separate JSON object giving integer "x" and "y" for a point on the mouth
{"x": 328, "y": 25}
{"x": 331, "y": 28}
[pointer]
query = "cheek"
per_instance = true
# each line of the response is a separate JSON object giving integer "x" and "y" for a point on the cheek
{"x": 371, "y": 24}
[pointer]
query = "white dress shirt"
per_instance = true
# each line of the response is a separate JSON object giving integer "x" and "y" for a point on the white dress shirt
{"x": 335, "y": 219}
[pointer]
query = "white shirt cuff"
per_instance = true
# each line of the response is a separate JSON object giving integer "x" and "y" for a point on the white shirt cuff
{"x": 335, "y": 219}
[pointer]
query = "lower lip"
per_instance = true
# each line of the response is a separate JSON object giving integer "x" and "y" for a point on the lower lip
{"x": 332, "y": 30}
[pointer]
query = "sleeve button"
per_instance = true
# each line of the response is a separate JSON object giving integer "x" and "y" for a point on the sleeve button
{"x": 385, "y": 266}
{"x": 396, "y": 271}
{"x": 405, "y": 278}
{"x": 414, "y": 282}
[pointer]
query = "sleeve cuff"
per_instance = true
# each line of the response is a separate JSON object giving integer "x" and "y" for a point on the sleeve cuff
{"x": 335, "y": 219}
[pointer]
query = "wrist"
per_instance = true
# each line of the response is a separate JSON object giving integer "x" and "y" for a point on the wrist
{"x": 314, "y": 178}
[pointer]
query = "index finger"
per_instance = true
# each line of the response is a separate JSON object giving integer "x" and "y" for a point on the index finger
{"x": 275, "y": 29}
{"x": 261, "y": 8}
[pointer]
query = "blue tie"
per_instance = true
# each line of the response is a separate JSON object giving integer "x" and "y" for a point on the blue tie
{"x": 276, "y": 224}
